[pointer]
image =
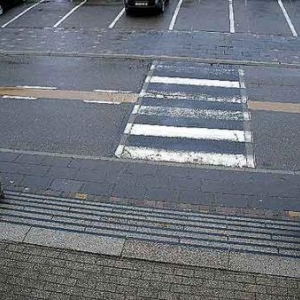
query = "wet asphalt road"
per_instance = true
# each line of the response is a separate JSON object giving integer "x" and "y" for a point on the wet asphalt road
{"x": 199, "y": 111}
{"x": 258, "y": 17}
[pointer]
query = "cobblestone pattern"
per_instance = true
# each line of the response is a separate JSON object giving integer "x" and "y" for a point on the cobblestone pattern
{"x": 34, "y": 272}
{"x": 184, "y": 44}
{"x": 183, "y": 188}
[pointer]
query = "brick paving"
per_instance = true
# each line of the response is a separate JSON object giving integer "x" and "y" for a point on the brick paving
{"x": 205, "y": 45}
{"x": 36, "y": 272}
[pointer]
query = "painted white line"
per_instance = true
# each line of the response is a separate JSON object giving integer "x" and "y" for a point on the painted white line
{"x": 128, "y": 128}
{"x": 113, "y": 91}
{"x": 250, "y": 161}
{"x": 135, "y": 109}
{"x": 172, "y": 24}
{"x": 195, "y": 81}
{"x": 178, "y": 112}
{"x": 119, "y": 150}
{"x": 118, "y": 17}
{"x": 231, "y": 17}
{"x": 292, "y": 28}
{"x": 18, "y": 97}
{"x": 21, "y": 14}
{"x": 69, "y": 13}
{"x": 195, "y": 97}
{"x": 217, "y": 159}
{"x": 36, "y": 87}
{"x": 101, "y": 102}
{"x": 188, "y": 132}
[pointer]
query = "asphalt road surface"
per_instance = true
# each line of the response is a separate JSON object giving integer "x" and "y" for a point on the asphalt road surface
{"x": 160, "y": 110}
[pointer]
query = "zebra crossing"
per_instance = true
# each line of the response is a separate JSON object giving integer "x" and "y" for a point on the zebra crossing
{"x": 191, "y": 113}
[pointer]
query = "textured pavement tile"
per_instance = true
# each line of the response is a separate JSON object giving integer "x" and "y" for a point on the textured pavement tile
{"x": 13, "y": 232}
{"x": 75, "y": 241}
{"x": 66, "y": 185}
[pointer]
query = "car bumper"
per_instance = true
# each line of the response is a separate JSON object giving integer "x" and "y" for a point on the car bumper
{"x": 140, "y": 4}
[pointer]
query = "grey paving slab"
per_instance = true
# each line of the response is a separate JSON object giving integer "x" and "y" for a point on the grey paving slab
{"x": 66, "y": 185}
{"x": 175, "y": 254}
{"x": 29, "y": 159}
{"x": 264, "y": 264}
{"x": 8, "y": 179}
{"x": 95, "y": 188}
{"x": 8, "y": 156}
{"x": 13, "y": 232}
{"x": 38, "y": 182}
{"x": 24, "y": 169}
{"x": 75, "y": 241}
{"x": 63, "y": 172}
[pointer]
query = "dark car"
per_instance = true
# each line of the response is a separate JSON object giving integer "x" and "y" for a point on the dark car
{"x": 6, "y": 4}
{"x": 139, "y": 5}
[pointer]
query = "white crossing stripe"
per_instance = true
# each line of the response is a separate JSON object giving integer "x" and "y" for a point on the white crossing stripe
{"x": 36, "y": 87}
{"x": 196, "y": 97}
{"x": 195, "y": 81}
{"x": 18, "y": 97}
{"x": 228, "y": 160}
{"x": 192, "y": 113}
{"x": 188, "y": 132}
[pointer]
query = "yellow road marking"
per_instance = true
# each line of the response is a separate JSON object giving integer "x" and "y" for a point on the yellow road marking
{"x": 69, "y": 95}
{"x": 81, "y": 196}
{"x": 294, "y": 214}
{"x": 275, "y": 106}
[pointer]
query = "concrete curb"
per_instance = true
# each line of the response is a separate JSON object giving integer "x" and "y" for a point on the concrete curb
{"x": 151, "y": 57}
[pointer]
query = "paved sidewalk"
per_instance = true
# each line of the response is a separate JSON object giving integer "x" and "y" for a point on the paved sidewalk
{"x": 171, "y": 232}
{"x": 186, "y": 45}
{"x": 264, "y": 193}
{"x": 35, "y": 272}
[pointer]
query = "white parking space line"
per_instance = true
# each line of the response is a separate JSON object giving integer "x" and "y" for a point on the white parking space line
{"x": 195, "y": 81}
{"x": 172, "y": 24}
{"x": 188, "y": 132}
{"x": 21, "y": 14}
{"x": 68, "y": 14}
{"x": 231, "y": 17}
{"x": 118, "y": 17}
{"x": 292, "y": 28}
{"x": 229, "y": 160}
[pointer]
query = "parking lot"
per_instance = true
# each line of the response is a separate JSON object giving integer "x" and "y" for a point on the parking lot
{"x": 237, "y": 16}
